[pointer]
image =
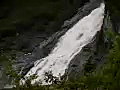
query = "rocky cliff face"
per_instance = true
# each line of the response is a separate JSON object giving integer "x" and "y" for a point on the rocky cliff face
{"x": 95, "y": 52}
{"x": 113, "y": 6}
{"x": 28, "y": 26}
{"x": 91, "y": 52}
{"x": 24, "y": 24}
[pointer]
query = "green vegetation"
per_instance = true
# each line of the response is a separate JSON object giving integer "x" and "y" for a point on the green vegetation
{"x": 45, "y": 15}
{"x": 106, "y": 78}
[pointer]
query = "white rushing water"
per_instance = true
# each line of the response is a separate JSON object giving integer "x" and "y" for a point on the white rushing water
{"x": 69, "y": 45}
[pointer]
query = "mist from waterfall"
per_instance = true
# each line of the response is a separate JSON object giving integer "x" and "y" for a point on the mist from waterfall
{"x": 69, "y": 45}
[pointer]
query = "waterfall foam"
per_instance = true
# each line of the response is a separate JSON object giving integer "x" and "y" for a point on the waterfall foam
{"x": 69, "y": 45}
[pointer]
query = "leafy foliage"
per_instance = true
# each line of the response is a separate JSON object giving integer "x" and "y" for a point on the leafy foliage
{"x": 109, "y": 75}
{"x": 107, "y": 78}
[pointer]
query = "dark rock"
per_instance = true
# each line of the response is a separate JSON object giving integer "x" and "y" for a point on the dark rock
{"x": 85, "y": 55}
{"x": 95, "y": 52}
{"x": 42, "y": 50}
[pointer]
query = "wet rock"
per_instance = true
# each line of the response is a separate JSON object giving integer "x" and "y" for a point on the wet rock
{"x": 43, "y": 49}
{"x": 95, "y": 52}
{"x": 90, "y": 52}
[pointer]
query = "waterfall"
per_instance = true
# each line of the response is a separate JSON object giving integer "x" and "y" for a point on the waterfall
{"x": 69, "y": 45}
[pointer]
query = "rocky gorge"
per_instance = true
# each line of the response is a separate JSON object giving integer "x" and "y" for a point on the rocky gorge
{"x": 38, "y": 44}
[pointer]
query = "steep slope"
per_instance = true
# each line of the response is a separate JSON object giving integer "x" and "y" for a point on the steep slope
{"x": 27, "y": 61}
{"x": 93, "y": 52}
{"x": 21, "y": 21}
{"x": 70, "y": 45}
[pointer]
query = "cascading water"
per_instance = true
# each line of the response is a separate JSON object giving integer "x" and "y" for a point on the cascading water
{"x": 69, "y": 45}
